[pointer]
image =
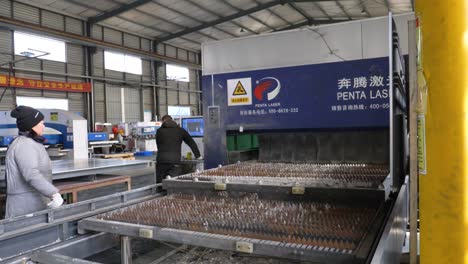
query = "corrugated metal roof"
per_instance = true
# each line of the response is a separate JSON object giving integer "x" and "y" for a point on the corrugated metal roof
{"x": 187, "y": 23}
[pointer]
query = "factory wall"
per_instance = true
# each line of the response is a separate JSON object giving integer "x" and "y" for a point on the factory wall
{"x": 109, "y": 87}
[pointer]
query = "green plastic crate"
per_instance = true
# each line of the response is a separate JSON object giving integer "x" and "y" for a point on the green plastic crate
{"x": 231, "y": 143}
{"x": 254, "y": 141}
{"x": 244, "y": 141}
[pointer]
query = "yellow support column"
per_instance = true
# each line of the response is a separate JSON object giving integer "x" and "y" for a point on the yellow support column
{"x": 444, "y": 188}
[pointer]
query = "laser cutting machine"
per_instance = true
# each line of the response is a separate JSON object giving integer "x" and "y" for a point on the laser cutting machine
{"x": 328, "y": 182}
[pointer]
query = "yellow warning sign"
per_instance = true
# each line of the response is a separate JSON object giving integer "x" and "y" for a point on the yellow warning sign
{"x": 239, "y": 100}
{"x": 239, "y": 90}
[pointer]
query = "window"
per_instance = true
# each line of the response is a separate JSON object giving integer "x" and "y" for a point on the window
{"x": 177, "y": 73}
{"x": 42, "y": 102}
{"x": 30, "y": 45}
{"x": 122, "y": 62}
{"x": 178, "y": 111}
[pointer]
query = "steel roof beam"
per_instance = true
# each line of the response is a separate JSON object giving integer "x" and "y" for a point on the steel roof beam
{"x": 218, "y": 15}
{"x": 343, "y": 9}
{"x": 193, "y": 18}
{"x": 224, "y": 19}
{"x": 117, "y": 11}
{"x": 250, "y": 16}
{"x": 387, "y": 4}
{"x": 300, "y": 11}
{"x": 168, "y": 21}
{"x": 275, "y": 14}
{"x": 311, "y": 23}
{"x": 319, "y": 7}
{"x": 364, "y": 8}
{"x": 76, "y": 2}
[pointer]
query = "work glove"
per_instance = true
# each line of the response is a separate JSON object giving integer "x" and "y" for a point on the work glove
{"x": 56, "y": 202}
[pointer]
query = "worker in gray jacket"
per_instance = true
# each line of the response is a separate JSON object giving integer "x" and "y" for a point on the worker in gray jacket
{"x": 28, "y": 167}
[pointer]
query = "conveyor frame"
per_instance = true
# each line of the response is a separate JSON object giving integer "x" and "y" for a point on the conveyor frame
{"x": 258, "y": 246}
{"x": 23, "y": 235}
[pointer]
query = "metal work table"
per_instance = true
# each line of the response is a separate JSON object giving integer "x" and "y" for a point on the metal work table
{"x": 62, "y": 169}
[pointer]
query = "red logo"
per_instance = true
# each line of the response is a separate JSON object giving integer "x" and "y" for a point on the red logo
{"x": 265, "y": 84}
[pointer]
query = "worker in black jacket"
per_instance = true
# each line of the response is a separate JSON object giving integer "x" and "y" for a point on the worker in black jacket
{"x": 169, "y": 140}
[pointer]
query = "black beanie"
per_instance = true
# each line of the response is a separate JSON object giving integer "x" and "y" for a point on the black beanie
{"x": 26, "y": 117}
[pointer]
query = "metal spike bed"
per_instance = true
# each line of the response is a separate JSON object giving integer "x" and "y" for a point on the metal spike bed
{"x": 337, "y": 175}
{"x": 286, "y": 226}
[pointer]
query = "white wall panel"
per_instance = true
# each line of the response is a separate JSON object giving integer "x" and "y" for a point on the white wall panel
{"x": 171, "y": 51}
{"x": 183, "y": 85}
{"x": 132, "y": 104}
{"x": 75, "y": 69}
{"x": 183, "y": 98}
{"x": 148, "y": 99}
{"x": 161, "y": 49}
{"x": 52, "y": 20}
{"x": 8, "y": 100}
{"x": 194, "y": 98}
{"x": 133, "y": 77}
{"x": 98, "y": 90}
{"x": 96, "y": 32}
{"x": 55, "y": 67}
{"x": 114, "y": 74}
{"x": 98, "y": 63}
{"x": 193, "y": 77}
{"x": 25, "y": 13}
{"x": 131, "y": 41}
{"x": 162, "y": 96}
{"x": 172, "y": 97}
{"x": 162, "y": 111}
{"x": 73, "y": 25}
{"x": 112, "y": 36}
{"x": 113, "y": 104}
{"x": 33, "y": 64}
{"x": 75, "y": 54}
{"x": 145, "y": 44}
{"x": 77, "y": 103}
{"x": 75, "y": 80}
{"x": 170, "y": 83}
{"x": 5, "y": 46}
{"x": 99, "y": 101}
{"x": 146, "y": 67}
{"x": 192, "y": 57}
{"x": 182, "y": 55}
{"x": 28, "y": 92}
{"x": 5, "y": 59}
{"x": 355, "y": 40}
{"x": 54, "y": 94}
{"x": 5, "y": 8}
{"x": 161, "y": 73}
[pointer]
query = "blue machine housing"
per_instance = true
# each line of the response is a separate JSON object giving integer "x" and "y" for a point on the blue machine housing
{"x": 53, "y": 139}
{"x": 337, "y": 95}
{"x": 60, "y": 120}
{"x": 6, "y": 140}
{"x": 98, "y": 136}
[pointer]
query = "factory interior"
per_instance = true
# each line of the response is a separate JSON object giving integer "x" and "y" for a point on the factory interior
{"x": 325, "y": 131}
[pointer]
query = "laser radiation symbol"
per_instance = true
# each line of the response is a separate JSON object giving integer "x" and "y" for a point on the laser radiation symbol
{"x": 239, "y": 90}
